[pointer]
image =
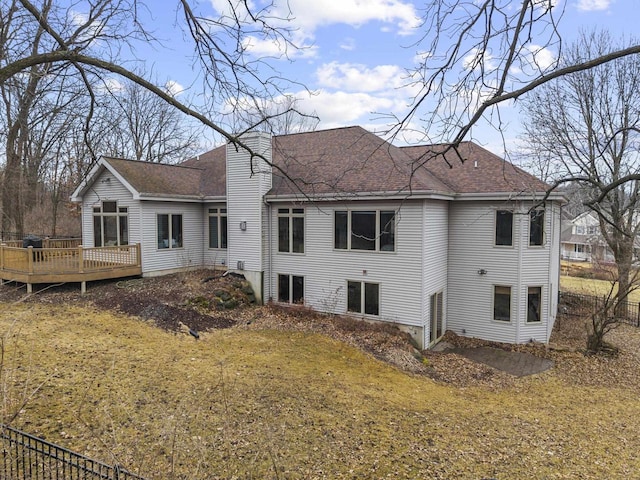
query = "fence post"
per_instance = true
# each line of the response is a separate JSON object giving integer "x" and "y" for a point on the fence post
{"x": 2, "y": 245}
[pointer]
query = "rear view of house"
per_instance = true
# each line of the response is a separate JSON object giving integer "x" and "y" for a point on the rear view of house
{"x": 344, "y": 222}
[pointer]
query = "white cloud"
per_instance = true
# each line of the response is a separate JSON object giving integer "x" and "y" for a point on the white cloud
{"x": 173, "y": 88}
{"x": 542, "y": 57}
{"x": 311, "y": 15}
{"x": 356, "y": 77}
{"x": 477, "y": 58}
{"x": 91, "y": 30}
{"x": 336, "y": 109}
{"x": 304, "y": 17}
{"x": 110, "y": 85}
{"x": 348, "y": 44}
{"x": 270, "y": 48}
{"x": 593, "y": 5}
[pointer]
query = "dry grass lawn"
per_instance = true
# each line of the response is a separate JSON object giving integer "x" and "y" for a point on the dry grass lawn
{"x": 590, "y": 286}
{"x": 264, "y": 403}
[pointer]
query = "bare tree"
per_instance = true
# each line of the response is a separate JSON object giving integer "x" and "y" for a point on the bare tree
{"x": 54, "y": 42}
{"x": 131, "y": 122}
{"x": 480, "y": 55}
{"x": 279, "y": 116}
{"x": 587, "y": 125}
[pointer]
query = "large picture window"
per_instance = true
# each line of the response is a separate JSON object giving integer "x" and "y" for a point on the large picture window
{"x": 365, "y": 230}
{"x": 363, "y": 297}
{"x": 217, "y": 228}
{"x": 536, "y": 227}
{"x": 504, "y": 227}
{"x": 290, "y": 289}
{"x": 502, "y": 303}
{"x": 291, "y": 230}
{"x": 110, "y": 225}
{"x": 169, "y": 230}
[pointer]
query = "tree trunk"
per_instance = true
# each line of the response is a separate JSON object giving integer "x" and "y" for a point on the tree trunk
{"x": 624, "y": 262}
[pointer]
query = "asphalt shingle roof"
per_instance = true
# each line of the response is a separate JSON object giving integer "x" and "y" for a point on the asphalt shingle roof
{"x": 156, "y": 179}
{"x": 342, "y": 161}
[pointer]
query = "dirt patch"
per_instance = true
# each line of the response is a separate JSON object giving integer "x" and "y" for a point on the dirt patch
{"x": 202, "y": 299}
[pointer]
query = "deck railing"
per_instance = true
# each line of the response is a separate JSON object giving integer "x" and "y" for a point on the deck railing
{"x": 49, "y": 243}
{"x": 67, "y": 260}
{"x": 52, "y": 265}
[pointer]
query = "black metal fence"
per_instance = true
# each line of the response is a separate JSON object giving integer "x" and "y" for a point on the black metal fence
{"x": 579, "y": 304}
{"x": 25, "y": 457}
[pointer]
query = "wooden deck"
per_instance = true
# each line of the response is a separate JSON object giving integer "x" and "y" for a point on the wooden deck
{"x": 74, "y": 264}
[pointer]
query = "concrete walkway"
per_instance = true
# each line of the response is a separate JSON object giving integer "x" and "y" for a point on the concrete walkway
{"x": 518, "y": 364}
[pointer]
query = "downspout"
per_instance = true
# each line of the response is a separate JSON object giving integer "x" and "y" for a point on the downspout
{"x": 269, "y": 246}
{"x": 550, "y": 294}
{"x": 519, "y": 276}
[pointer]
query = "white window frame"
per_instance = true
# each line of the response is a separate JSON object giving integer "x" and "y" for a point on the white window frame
{"x": 291, "y": 277}
{"x": 378, "y": 212}
{"x": 120, "y": 212}
{"x": 493, "y": 304}
{"x": 538, "y": 212}
{"x": 495, "y": 228}
{"x": 290, "y": 214}
{"x": 540, "y": 306}
{"x": 363, "y": 285}
{"x": 170, "y": 245}
{"x": 216, "y": 214}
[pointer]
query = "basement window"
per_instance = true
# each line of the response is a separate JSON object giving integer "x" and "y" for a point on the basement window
{"x": 363, "y": 297}
{"x": 291, "y": 289}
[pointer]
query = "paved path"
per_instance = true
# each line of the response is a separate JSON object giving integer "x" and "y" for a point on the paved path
{"x": 519, "y": 364}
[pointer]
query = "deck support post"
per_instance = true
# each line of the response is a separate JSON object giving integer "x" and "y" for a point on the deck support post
{"x": 83, "y": 288}
{"x": 29, "y": 288}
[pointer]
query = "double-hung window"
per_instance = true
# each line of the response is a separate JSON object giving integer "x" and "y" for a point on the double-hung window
{"x": 110, "y": 225}
{"x": 536, "y": 227}
{"x": 169, "y": 230}
{"x": 217, "y": 228}
{"x": 363, "y": 297}
{"x": 290, "y": 289}
{"x": 504, "y": 228}
{"x": 291, "y": 230}
{"x": 365, "y": 230}
{"x": 502, "y": 303}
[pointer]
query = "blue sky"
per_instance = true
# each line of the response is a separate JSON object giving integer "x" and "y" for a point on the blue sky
{"x": 358, "y": 51}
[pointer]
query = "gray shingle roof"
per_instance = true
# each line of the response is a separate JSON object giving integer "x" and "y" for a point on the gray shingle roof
{"x": 342, "y": 161}
{"x": 158, "y": 179}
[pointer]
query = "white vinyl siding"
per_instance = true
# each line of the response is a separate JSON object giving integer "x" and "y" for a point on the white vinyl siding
{"x": 109, "y": 191}
{"x": 435, "y": 231}
{"x": 471, "y": 250}
{"x": 190, "y": 255}
{"x": 212, "y": 257}
{"x": 540, "y": 268}
{"x": 246, "y": 187}
{"x": 326, "y": 270}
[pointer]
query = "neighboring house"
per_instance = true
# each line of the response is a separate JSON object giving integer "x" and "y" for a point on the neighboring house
{"x": 344, "y": 222}
{"x": 581, "y": 240}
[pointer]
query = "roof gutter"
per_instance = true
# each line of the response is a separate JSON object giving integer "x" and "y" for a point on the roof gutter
{"x": 530, "y": 196}
{"x": 345, "y": 196}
